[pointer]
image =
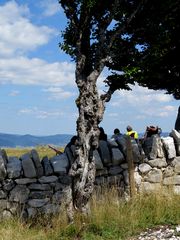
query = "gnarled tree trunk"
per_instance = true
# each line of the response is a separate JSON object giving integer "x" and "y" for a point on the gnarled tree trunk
{"x": 91, "y": 108}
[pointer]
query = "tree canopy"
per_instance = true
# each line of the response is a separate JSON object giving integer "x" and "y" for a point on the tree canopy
{"x": 139, "y": 38}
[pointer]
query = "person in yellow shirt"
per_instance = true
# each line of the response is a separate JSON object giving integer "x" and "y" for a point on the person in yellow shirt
{"x": 132, "y": 133}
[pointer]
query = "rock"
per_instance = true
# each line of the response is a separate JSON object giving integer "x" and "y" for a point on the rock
{"x": 37, "y": 203}
{"x": 158, "y": 162}
{"x": 14, "y": 167}
{"x": 98, "y": 161}
{"x": 154, "y": 176}
{"x": 144, "y": 168}
{"x": 24, "y": 181}
{"x": 117, "y": 156}
{"x": 176, "y": 136}
{"x": 48, "y": 170}
{"x": 19, "y": 194}
{"x": 169, "y": 146}
{"x": 3, "y": 171}
{"x": 60, "y": 164}
{"x": 28, "y": 166}
{"x": 104, "y": 153}
{"x": 37, "y": 162}
{"x": 48, "y": 179}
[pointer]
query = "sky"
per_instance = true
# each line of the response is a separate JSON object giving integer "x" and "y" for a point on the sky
{"x": 37, "y": 79}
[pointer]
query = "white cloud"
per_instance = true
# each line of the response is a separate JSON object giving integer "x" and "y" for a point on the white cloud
{"x": 139, "y": 97}
{"x": 41, "y": 114}
{"x": 57, "y": 93}
{"x": 14, "y": 93}
{"x": 17, "y": 34}
{"x": 24, "y": 71}
{"x": 50, "y": 7}
{"x": 159, "y": 111}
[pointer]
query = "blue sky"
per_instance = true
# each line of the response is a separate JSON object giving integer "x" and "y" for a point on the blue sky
{"x": 37, "y": 81}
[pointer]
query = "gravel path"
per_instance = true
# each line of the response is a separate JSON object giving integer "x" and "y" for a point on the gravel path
{"x": 160, "y": 233}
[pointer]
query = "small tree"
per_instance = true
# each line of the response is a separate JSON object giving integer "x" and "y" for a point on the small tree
{"x": 101, "y": 34}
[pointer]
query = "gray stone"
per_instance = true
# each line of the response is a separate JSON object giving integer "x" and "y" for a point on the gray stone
{"x": 112, "y": 143}
{"x": 138, "y": 179}
{"x": 24, "y": 181}
{"x": 117, "y": 156}
{"x": 4, "y": 155}
{"x": 98, "y": 161}
{"x": 158, "y": 162}
{"x": 8, "y": 184}
{"x": 168, "y": 172}
{"x": 50, "y": 209}
{"x": 37, "y": 162}
{"x": 101, "y": 180}
{"x": 19, "y": 194}
{"x": 60, "y": 164}
{"x": 3, "y": 171}
{"x": 144, "y": 168}
{"x": 124, "y": 166}
{"x": 57, "y": 197}
{"x": 28, "y": 166}
{"x": 3, "y": 204}
{"x": 154, "y": 176}
{"x": 176, "y": 164}
{"x": 6, "y": 215}
{"x": 114, "y": 180}
{"x": 14, "y": 167}
{"x": 40, "y": 194}
{"x": 48, "y": 179}
{"x": 115, "y": 170}
{"x": 32, "y": 212}
{"x": 66, "y": 179}
{"x": 169, "y": 146}
{"x": 174, "y": 180}
{"x": 38, "y": 186}
{"x": 103, "y": 172}
{"x": 14, "y": 207}
{"x": 148, "y": 187}
{"x": 176, "y": 136}
{"x": 177, "y": 190}
{"x": 3, "y": 194}
{"x": 37, "y": 203}
{"x": 104, "y": 153}
{"x": 48, "y": 170}
{"x": 135, "y": 151}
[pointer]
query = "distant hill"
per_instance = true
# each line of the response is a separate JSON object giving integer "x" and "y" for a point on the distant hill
{"x": 13, "y": 140}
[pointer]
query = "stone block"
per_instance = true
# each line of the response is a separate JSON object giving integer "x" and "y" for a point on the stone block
{"x": 60, "y": 164}
{"x": 28, "y": 166}
{"x": 14, "y": 167}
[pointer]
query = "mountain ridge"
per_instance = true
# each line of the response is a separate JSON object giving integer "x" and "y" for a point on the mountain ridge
{"x": 28, "y": 140}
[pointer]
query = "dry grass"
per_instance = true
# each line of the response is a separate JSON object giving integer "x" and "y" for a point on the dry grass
{"x": 42, "y": 151}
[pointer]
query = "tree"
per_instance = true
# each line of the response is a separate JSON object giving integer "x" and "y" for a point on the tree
{"x": 103, "y": 34}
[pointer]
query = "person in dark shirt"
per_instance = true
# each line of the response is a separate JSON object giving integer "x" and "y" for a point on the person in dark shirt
{"x": 102, "y": 135}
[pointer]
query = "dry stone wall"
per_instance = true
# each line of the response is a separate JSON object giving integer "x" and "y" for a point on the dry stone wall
{"x": 30, "y": 185}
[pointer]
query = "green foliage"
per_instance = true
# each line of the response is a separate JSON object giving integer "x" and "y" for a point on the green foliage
{"x": 138, "y": 37}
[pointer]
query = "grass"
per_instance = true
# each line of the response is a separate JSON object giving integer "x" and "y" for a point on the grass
{"x": 42, "y": 151}
{"x": 111, "y": 218}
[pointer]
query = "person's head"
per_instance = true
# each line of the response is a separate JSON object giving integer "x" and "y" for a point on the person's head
{"x": 116, "y": 131}
{"x": 73, "y": 140}
{"x": 129, "y": 128}
{"x": 101, "y": 130}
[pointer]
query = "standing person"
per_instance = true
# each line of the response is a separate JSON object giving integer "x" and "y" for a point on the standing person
{"x": 130, "y": 132}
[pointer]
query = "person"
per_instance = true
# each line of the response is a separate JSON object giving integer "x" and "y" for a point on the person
{"x": 116, "y": 134}
{"x": 102, "y": 135}
{"x": 152, "y": 130}
{"x": 73, "y": 141}
{"x": 130, "y": 132}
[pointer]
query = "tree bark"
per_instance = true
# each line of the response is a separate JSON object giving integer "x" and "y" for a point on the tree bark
{"x": 91, "y": 109}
